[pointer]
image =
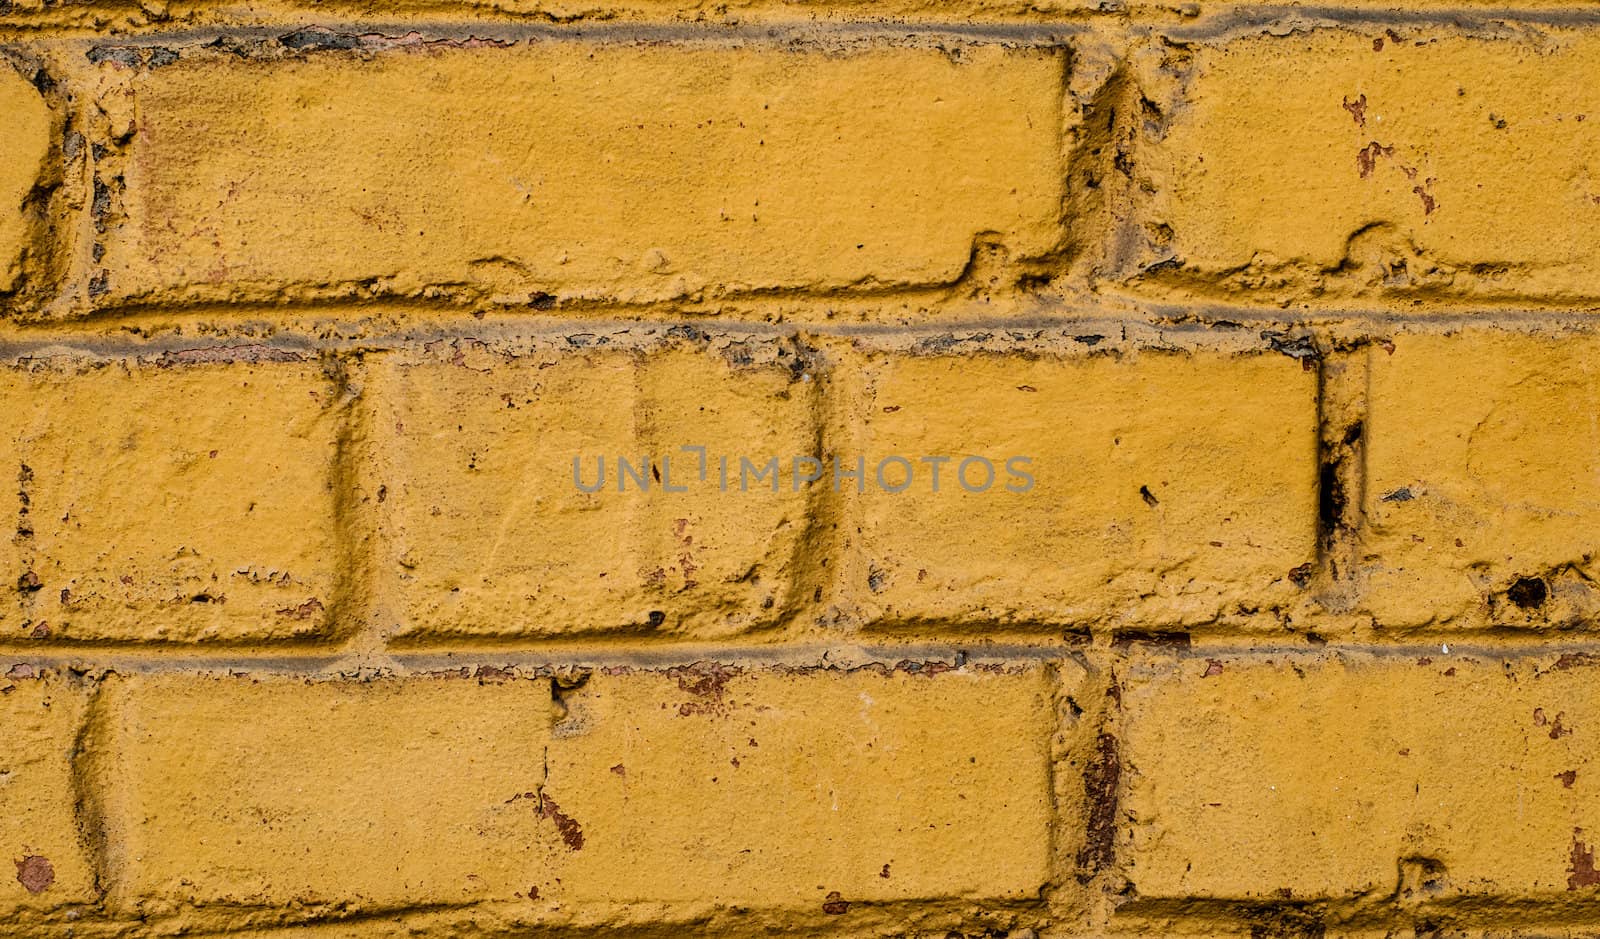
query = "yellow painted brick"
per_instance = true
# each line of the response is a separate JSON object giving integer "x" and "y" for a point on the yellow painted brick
{"x": 44, "y": 861}
{"x": 1437, "y": 161}
{"x": 365, "y": 795}
{"x": 1304, "y": 776}
{"x": 677, "y": 792}
{"x": 171, "y": 502}
{"x": 1175, "y": 485}
{"x": 781, "y": 789}
{"x": 634, "y": 171}
{"x": 24, "y": 142}
{"x": 490, "y": 536}
{"x": 1474, "y": 483}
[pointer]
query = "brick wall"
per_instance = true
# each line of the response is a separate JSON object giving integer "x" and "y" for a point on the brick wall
{"x": 474, "y": 469}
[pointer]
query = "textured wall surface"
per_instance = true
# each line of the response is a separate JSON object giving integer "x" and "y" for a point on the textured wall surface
{"x": 1002, "y": 468}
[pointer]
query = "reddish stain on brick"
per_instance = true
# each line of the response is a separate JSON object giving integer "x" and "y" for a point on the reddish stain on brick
{"x": 571, "y": 831}
{"x": 35, "y": 873}
{"x": 1581, "y": 866}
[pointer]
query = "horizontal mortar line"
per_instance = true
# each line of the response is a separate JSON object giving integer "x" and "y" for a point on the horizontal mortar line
{"x": 789, "y": 32}
{"x": 1223, "y": 22}
{"x": 1504, "y": 910}
{"x": 1110, "y": 330}
{"x": 815, "y": 655}
{"x": 844, "y": 656}
{"x": 773, "y": 313}
{"x": 1548, "y": 908}
{"x": 1533, "y": 645}
{"x": 1215, "y": 22}
{"x": 592, "y": 919}
{"x": 800, "y": 303}
{"x": 1530, "y": 644}
{"x": 67, "y": 343}
{"x": 402, "y": 316}
{"x": 1190, "y": 323}
{"x": 1463, "y": 311}
{"x": 554, "y": 325}
{"x": 1218, "y": 22}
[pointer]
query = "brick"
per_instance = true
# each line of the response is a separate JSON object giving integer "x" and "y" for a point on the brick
{"x": 633, "y": 171}
{"x": 1365, "y": 159}
{"x": 277, "y": 791}
{"x": 178, "y": 502}
{"x": 491, "y": 537}
{"x": 45, "y": 863}
{"x": 25, "y": 130}
{"x": 779, "y": 789}
{"x": 1473, "y": 486}
{"x": 1319, "y": 776}
{"x": 686, "y": 787}
{"x": 1168, "y": 488}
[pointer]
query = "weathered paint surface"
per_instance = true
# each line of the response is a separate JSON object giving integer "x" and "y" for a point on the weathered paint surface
{"x": 512, "y": 468}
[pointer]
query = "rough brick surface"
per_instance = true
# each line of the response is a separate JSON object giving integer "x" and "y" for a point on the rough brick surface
{"x": 1482, "y": 496}
{"x": 139, "y": 520}
{"x": 25, "y": 125}
{"x": 472, "y": 469}
{"x": 49, "y": 867}
{"x": 1160, "y": 488}
{"x": 682, "y": 786}
{"x": 1337, "y": 775}
{"x": 700, "y": 778}
{"x": 634, "y": 172}
{"x": 1387, "y": 167}
{"x": 490, "y": 533}
{"x": 276, "y": 792}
